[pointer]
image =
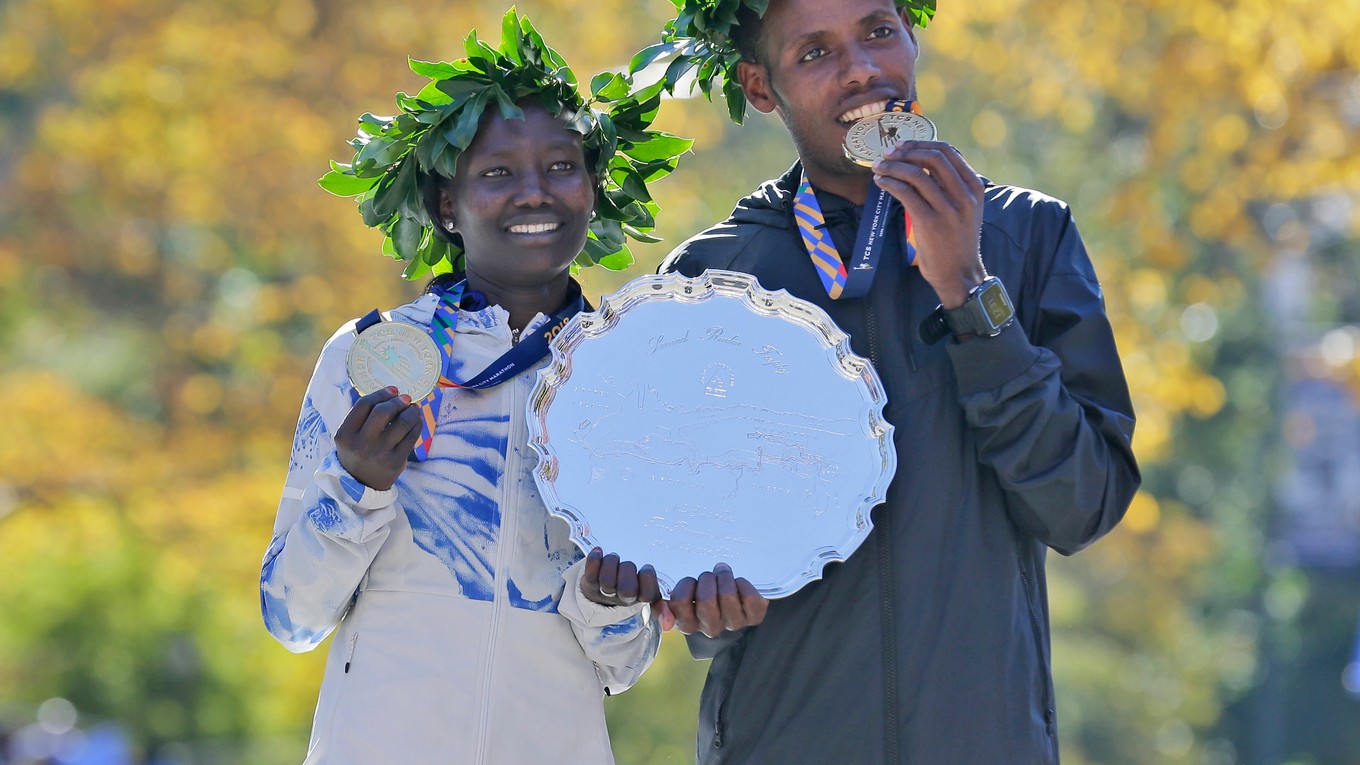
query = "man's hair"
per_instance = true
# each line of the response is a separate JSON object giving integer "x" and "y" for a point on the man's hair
{"x": 746, "y": 35}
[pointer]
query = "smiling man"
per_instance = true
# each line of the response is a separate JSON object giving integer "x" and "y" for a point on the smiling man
{"x": 979, "y": 307}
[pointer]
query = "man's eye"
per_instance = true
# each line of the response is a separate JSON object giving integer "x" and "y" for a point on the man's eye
{"x": 883, "y": 31}
{"x": 495, "y": 172}
{"x": 563, "y": 166}
{"x": 815, "y": 53}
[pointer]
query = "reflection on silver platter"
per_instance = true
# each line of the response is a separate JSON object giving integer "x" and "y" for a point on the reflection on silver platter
{"x": 689, "y": 422}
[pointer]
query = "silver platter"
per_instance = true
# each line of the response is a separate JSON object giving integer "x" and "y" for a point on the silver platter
{"x": 689, "y": 422}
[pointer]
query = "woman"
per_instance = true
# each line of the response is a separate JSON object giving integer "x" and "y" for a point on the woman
{"x": 469, "y": 628}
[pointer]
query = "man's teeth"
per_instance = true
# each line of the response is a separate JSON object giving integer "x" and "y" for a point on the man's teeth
{"x": 534, "y": 228}
{"x": 859, "y": 113}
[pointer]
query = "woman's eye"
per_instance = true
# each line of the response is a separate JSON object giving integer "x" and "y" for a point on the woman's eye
{"x": 815, "y": 53}
{"x": 564, "y": 166}
{"x": 495, "y": 172}
{"x": 883, "y": 31}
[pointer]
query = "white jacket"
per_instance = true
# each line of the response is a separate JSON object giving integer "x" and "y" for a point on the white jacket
{"x": 456, "y": 642}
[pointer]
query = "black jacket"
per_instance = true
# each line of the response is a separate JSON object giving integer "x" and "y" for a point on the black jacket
{"x": 930, "y": 645}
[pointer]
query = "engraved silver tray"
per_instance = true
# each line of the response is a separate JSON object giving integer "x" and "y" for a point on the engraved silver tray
{"x": 689, "y": 422}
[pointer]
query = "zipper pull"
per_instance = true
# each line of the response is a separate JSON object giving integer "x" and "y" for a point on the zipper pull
{"x": 514, "y": 337}
{"x": 353, "y": 641}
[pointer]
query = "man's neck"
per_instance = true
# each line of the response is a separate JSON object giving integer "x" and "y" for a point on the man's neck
{"x": 852, "y": 186}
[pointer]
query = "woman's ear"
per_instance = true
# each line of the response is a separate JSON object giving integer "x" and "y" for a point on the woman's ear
{"x": 446, "y": 218}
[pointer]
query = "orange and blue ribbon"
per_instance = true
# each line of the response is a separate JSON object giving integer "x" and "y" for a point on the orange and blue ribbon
{"x": 854, "y": 280}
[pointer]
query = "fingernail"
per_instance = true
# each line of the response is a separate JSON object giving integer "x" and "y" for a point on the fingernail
{"x": 405, "y": 398}
{"x": 722, "y": 567}
{"x": 392, "y": 389}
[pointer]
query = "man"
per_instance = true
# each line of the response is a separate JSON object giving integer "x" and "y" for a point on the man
{"x": 931, "y": 643}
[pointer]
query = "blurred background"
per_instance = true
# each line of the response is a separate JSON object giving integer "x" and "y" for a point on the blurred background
{"x": 169, "y": 270}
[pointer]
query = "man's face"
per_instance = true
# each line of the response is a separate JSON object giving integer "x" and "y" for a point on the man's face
{"x": 824, "y": 64}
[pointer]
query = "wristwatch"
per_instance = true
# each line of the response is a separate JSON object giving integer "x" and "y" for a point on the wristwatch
{"x": 986, "y": 311}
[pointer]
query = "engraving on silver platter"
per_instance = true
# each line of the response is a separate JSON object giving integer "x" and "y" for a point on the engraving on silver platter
{"x": 694, "y": 421}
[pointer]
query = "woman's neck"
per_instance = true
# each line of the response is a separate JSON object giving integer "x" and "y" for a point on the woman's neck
{"x": 522, "y": 302}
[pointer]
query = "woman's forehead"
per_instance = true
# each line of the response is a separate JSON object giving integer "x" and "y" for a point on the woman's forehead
{"x": 537, "y": 124}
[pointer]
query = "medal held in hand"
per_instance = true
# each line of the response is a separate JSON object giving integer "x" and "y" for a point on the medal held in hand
{"x": 872, "y": 137}
{"x": 393, "y": 353}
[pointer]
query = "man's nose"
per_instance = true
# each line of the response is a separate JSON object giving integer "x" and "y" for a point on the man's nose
{"x": 861, "y": 68}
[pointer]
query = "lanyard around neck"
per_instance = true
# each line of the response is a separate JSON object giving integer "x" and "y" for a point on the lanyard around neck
{"x": 853, "y": 279}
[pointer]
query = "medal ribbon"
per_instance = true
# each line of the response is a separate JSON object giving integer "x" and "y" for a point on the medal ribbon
{"x": 854, "y": 281}
{"x": 524, "y": 354}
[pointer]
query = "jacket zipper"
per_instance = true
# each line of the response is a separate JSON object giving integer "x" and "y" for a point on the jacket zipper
{"x": 886, "y": 584}
{"x": 1049, "y": 713}
{"x": 353, "y": 643}
{"x": 738, "y": 650}
{"x": 504, "y": 542}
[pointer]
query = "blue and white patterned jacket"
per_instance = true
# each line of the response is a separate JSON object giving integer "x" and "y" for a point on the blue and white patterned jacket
{"x": 462, "y": 633}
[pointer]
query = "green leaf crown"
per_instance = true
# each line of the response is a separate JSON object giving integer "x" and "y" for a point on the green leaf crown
{"x": 395, "y": 156}
{"x": 701, "y": 39}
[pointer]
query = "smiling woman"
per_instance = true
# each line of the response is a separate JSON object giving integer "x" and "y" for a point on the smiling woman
{"x": 470, "y": 629}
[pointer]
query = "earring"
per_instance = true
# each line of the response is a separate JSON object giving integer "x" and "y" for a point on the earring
{"x": 449, "y": 225}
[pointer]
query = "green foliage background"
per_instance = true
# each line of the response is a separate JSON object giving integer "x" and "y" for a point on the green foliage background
{"x": 169, "y": 269}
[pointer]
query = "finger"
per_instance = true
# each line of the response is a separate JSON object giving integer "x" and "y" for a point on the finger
{"x": 939, "y": 160}
{"x": 358, "y": 414}
{"x": 753, "y": 604}
{"x": 628, "y": 582}
{"x": 609, "y": 575}
{"x": 408, "y": 442}
{"x": 970, "y": 177}
{"x": 706, "y": 605}
{"x": 910, "y": 171}
{"x": 590, "y": 577}
{"x": 682, "y": 605}
{"x": 649, "y": 590}
{"x": 661, "y": 611}
{"x": 400, "y": 430}
{"x": 907, "y": 194}
{"x": 382, "y": 416}
{"x": 729, "y": 601}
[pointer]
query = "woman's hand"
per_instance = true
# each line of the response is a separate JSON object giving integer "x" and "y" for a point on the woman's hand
{"x": 377, "y": 436}
{"x": 611, "y": 582}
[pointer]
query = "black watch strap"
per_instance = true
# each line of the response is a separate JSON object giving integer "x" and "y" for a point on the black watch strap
{"x": 935, "y": 327}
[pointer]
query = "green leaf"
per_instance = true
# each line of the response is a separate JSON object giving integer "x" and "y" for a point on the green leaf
{"x": 651, "y": 53}
{"x": 509, "y": 110}
{"x": 736, "y": 101}
{"x": 435, "y": 70}
{"x": 661, "y": 146}
{"x": 609, "y": 87}
{"x": 344, "y": 184}
{"x": 510, "y": 37}
{"x": 406, "y": 235}
{"x": 617, "y": 261}
{"x": 462, "y": 133}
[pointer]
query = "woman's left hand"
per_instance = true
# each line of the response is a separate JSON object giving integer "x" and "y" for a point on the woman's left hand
{"x": 611, "y": 582}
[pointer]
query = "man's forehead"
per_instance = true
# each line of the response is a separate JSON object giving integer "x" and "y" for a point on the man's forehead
{"x": 787, "y": 21}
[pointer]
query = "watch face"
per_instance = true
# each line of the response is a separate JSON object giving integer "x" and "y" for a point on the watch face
{"x": 996, "y": 305}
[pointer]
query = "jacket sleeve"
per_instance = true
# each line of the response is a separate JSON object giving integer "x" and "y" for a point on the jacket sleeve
{"x": 1050, "y": 408}
{"x": 329, "y": 525}
{"x": 621, "y": 640}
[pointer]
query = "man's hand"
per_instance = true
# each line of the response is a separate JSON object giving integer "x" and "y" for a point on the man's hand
{"x": 944, "y": 198}
{"x": 377, "y": 436}
{"x": 715, "y": 602}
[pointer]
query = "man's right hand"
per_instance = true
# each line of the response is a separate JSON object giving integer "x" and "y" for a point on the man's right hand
{"x": 377, "y": 436}
{"x": 715, "y": 602}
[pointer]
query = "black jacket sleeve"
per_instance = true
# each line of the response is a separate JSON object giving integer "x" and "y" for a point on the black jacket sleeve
{"x": 1049, "y": 406}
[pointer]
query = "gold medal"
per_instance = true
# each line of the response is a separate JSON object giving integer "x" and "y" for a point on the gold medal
{"x": 875, "y": 135}
{"x": 394, "y": 353}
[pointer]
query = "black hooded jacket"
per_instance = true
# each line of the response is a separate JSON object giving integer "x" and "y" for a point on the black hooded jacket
{"x": 930, "y": 645}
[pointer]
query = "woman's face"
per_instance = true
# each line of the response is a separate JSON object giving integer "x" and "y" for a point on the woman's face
{"x": 522, "y": 199}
